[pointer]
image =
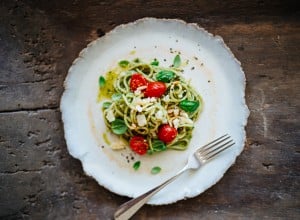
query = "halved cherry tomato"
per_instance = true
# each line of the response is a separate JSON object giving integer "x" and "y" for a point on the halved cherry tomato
{"x": 155, "y": 89}
{"x": 166, "y": 133}
{"x": 138, "y": 144}
{"x": 137, "y": 80}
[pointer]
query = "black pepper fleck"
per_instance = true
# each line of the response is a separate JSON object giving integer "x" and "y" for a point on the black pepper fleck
{"x": 193, "y": 68}
{"x": 176, "y": 40}
{"x": 208, "y": 81}
{"x": 165, "y": 60}
{"x": 201, "y": 64}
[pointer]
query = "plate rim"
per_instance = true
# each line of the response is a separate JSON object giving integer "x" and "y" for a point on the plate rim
{"x": 115, "y": 30}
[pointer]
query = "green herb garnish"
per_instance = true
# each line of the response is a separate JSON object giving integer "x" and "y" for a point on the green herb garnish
{"x": 177, "y": 61}
{"x": 118, "y": 126}
{"x": 158, "y": 146}
{"x": 136, "y": 165}
{"x": 106, "y": 105}
{"x": 155, "y": 170}
{"x": 189, "y": 106}
{"x": 123, "y": 63}
{"x": 165, "y": 76}
{"x": 149, "y": 151}
{"x": 154, "y": 62}
{"x": 136, "y": 60}
{"x": 101, "y": 81}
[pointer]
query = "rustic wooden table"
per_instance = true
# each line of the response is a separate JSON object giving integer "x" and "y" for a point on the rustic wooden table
{"x": 40, "y": 39}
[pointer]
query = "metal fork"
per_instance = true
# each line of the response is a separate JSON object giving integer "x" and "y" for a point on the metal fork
{"x": 196, "y": 160}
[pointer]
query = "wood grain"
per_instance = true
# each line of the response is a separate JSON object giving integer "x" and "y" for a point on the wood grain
{"x": 39, "y": 41}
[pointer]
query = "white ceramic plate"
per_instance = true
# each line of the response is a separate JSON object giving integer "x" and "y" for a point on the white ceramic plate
{"x": 213, "y": 71}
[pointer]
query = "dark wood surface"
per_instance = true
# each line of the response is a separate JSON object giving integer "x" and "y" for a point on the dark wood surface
{"x": 40, "y": 39}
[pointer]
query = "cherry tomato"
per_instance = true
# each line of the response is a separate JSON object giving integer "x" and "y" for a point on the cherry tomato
{"x": 166, "y": 133}
{"x": 137, "y": 80}
{"x": 155, "y": 89}
{"x": 138, "y": 144}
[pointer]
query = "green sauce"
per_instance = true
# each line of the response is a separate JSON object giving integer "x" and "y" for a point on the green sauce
{"x": 107, "y": 90}
{"x": 106, "y": 139}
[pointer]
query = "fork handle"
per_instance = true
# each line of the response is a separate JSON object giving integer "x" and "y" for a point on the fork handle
{"x": 129, "y": 208}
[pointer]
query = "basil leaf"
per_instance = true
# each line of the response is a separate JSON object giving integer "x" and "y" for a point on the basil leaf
{"x": 118, "y": 126}
{"x": 136, "y": 165}
{"x": 189, "y": 106}
{"x": 177, "y": 61}
{"x": 106, "y": 105}
{"x": 116, "y": 96}
{"x": 165, "y": 76}
{"x": 158, "y": 146}
{"x": 101, "y": 81}
{"x": 123, "y": 63}
{"x": 154, "y": 62}
{"x": 155, "y": 170}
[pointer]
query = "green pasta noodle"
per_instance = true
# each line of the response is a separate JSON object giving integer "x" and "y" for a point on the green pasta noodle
{"x": 127, "y": 105}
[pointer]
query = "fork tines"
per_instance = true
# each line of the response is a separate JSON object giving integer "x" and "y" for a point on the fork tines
{"x": 215, "y": 147}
